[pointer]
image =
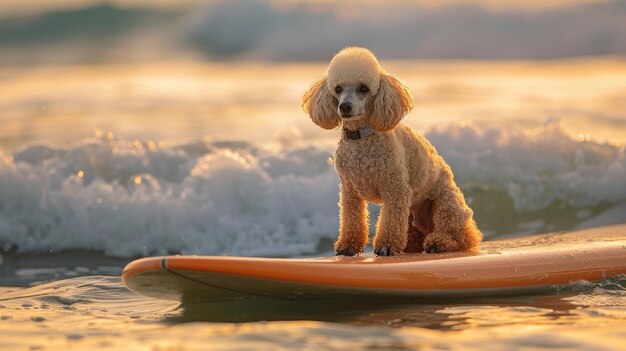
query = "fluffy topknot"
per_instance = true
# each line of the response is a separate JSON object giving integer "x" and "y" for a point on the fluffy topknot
{"x": 354, "y": 65}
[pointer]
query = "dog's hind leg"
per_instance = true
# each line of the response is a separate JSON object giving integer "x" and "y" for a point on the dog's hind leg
{"x": 454, "y": 228}
{"x": 415, "y": 238}
{"x": 420, "y": 225}
{"x": 422, "y": 215}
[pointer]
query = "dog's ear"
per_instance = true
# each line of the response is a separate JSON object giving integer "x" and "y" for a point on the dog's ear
{"x": 320, "y": 105}
{"x": 392, "y": 102}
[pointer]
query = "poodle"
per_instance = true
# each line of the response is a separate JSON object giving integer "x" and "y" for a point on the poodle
{"x": 381, "y": 160}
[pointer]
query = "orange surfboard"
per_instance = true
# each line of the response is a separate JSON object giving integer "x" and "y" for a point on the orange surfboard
{"x": 507, "y": 266}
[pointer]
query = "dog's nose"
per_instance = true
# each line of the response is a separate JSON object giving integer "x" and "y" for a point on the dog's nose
{"x": 345, "y": 107}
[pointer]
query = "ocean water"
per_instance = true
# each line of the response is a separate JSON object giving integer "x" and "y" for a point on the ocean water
{"x": 105, "y": 163}
{"x": 134, "y": 197}
{"x": 99, "y": 313}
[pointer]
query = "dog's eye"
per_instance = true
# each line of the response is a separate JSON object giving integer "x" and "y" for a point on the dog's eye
{"x": 338, "y": 89}
{"x": 363, "y": 88}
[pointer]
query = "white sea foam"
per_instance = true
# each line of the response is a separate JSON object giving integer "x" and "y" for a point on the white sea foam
{"x": 536, "y": 167}
{"x": 134, "y": 198}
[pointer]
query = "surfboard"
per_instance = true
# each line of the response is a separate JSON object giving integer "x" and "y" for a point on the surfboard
{"x": 500, "y": 267}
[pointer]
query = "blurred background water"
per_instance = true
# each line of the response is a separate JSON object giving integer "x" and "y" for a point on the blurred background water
{"x": 135, "y": 127}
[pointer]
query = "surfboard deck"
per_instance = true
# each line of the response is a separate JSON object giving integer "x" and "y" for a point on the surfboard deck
{"x": 500, "y": 267}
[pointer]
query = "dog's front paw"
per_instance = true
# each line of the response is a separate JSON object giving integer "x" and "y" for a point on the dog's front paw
{"x": 388, "y": 246}
{"x": 384, "y": 251}
{"x": 440, "y": 242}
{"x": 345, "y": 251}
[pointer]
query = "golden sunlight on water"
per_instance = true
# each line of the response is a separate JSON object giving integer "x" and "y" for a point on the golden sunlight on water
{"x": 251, "y": 101}
{"x": 98, "y": 313}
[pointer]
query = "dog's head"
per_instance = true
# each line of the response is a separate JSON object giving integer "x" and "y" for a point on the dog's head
{"x": 356, "y": 87}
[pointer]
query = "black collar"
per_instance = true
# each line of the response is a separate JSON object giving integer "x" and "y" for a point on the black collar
{"x": 359, "y": 133}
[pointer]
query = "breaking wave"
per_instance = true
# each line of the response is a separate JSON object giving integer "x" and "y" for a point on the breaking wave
{"x": 132, "y": 197}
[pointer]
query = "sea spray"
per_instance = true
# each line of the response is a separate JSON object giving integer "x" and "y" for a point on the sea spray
{"x": 133, "y": 197}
